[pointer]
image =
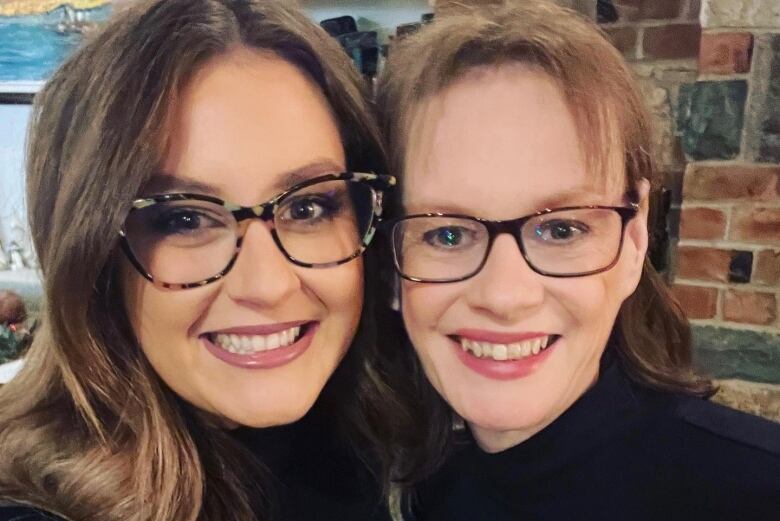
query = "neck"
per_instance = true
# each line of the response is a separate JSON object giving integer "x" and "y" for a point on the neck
{"x": 493, "y": 440}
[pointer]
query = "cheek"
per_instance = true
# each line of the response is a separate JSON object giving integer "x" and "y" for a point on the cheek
{"x": 424, "y": 308}
{"x": 161, "y": 319}
{"x": 588, "y": 301}
{"x": 338, "y": 289}
{"x": 423, "y": 305}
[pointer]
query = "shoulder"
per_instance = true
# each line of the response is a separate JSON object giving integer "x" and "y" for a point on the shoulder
{"x": 683, "y": 416}
{"x": 711, "y": 447}
{"x": 731, "y": 426}
{"x": 9, "y": 512}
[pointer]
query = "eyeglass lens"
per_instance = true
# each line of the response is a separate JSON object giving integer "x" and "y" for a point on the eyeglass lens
{"x": 566, "y": 242}
{"x": 185, "y": 241}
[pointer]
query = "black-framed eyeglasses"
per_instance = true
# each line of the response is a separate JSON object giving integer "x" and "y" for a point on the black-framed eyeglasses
{"x": 562, "y": 242}
{"x": 184, "y": 240}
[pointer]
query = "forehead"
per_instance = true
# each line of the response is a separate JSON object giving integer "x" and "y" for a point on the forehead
{"x": 498, "y": 141}
{"x": 245, "y": 118}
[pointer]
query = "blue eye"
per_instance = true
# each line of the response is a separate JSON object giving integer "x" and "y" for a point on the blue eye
{"x": 560, "y": 230}
{"x": 445, "y": 237}
{"x": 449, "y": 237}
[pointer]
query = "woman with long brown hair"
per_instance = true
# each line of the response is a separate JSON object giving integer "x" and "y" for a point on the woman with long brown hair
{"x": 203, "y": 177}
{"x": 524, "y": 161}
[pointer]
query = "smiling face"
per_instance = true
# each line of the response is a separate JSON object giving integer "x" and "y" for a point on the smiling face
{"x": 498, "y": 144}
{"x": 248, "y": 126}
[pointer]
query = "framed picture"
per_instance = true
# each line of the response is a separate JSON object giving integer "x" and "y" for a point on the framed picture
{"x": 36, "y": 36}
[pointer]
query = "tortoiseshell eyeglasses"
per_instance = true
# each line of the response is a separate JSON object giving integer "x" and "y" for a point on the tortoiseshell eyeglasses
{"x": 184, "y": 240}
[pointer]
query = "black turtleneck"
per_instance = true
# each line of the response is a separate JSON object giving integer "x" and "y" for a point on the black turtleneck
{"x": 621, "y": 452}
{"x": 314, "y": 474}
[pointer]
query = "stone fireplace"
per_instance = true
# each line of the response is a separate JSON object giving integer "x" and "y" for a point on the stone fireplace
{"x": 711, "y": 74}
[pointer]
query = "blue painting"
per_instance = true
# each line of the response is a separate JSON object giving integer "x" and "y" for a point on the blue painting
{"x": 37, "y": 35}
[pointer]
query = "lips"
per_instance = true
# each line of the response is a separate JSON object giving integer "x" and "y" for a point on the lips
{"x": 261, "y": 347}
{"x": 501, "y": 356}
{"x": 247, "y": 344}
{"x": 506, "y": 351}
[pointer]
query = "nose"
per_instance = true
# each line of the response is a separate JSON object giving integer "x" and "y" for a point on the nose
{"x": 506, "y": 288}
{"x": 262, "y": 275}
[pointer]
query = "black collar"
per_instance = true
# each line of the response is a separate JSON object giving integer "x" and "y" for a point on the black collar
{"x": 605, "y": 411}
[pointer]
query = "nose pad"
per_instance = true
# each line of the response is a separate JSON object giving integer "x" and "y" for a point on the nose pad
{"x": 506, "y": 286}
{"x": 261, "y": 275}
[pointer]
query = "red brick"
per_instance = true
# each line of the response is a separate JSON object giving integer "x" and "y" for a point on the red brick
{"x": 767, "y": 268}
{"x": 725, "y": 53}
{"x": 670, "y": 42}
{"x": 709, "y": 264}
{"x": 750, "y": 307}
{"x": 750, "y": 223}
{"x": 702, "y": 223}
{"x": 661, "y": 9}
{"x": 696, "y": 302}
{"x": 705, "y": 183}
{"x": 628, "y": 9}
{"x": 623, "y": 38}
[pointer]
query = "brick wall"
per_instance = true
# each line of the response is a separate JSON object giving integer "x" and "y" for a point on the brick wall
{"x": 728, "y": 263}
{"x": 661, "y": 40}
{"x": 714, "y": 92}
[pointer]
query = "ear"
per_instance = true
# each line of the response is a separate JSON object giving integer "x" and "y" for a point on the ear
{"x": 635, "y": 241}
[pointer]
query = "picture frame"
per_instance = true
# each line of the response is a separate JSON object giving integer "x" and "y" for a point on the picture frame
{"x": 36, "y": 36}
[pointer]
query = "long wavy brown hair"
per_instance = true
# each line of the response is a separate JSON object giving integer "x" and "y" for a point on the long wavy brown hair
{"x": 651, "y": 335}
{"x": 87, "y": 429}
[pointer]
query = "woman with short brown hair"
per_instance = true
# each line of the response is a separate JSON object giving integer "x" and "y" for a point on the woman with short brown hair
{"x": 523, "y": 152}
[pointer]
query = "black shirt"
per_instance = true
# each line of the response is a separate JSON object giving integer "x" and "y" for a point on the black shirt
{"x": 621, "y": 452}
{"x": 314, "y": 476}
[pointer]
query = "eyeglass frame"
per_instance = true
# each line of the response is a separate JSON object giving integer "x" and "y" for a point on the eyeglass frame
{"x": 265, "y": 212}
{"x": 512, "y": 227}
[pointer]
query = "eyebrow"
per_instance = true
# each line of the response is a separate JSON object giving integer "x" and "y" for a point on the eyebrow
{"x": 169, "y": 183}
{"x": 577, "y": 196}
{"x": 306, "y": 172}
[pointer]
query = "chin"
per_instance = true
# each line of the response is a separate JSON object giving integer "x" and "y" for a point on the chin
{"x": 507, "y": 417}
{"x": 261, "y": 417}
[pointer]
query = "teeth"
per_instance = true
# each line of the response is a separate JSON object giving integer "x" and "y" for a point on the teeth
{"x": 250, "y": 344}
{"x": 501, "y": 352}
{"x": 258, "y": 343}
